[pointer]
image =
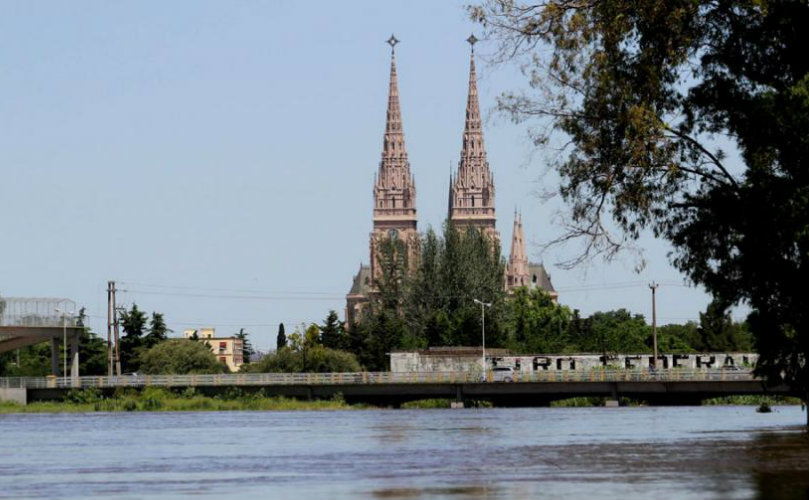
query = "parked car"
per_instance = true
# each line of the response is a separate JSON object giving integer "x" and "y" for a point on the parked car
{"x": 502, "y": 374}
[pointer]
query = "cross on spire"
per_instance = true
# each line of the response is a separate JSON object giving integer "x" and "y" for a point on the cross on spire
{"x": 392, "y": 41}
{"x": 472, "y": 41}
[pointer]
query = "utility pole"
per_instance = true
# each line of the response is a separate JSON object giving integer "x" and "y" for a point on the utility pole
{"x": 110, "y": 286}
{"x": 117, "y": 352}
{"x": 653, "y": 286}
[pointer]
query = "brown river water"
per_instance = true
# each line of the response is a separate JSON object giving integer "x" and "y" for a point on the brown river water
{"x": 711, "y": 452}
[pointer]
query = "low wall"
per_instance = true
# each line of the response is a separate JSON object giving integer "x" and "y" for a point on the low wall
{"x": 16, "y": 395}
{"x": 436, "y": 361}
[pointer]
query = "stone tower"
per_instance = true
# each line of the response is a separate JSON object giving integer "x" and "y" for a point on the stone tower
{"x": 394, "y": 186}
{"x": 471, "y": 194}
{"x": 517, "y": 272}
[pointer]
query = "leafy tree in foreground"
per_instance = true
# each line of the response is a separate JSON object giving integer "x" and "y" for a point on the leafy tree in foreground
{"x": 179, "y": 356}
{"x": 639, "y": 91}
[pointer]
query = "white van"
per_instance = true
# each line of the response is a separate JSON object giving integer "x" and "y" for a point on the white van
{"x": 502, "y": 374}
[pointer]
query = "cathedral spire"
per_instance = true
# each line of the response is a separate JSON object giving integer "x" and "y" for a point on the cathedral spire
{"x": 394, "y": 186}
{"x": 472, "y": 192}
{"x": 473, "y": 131}
{"x": 394, "y": 144}
{"x": 517, "y": 272}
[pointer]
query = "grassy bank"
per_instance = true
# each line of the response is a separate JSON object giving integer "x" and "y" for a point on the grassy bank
{"x": 159, "y": 399}
{"x": 752, "y": 401}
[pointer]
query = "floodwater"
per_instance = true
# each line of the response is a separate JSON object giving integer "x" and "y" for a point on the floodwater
{"x": 607, "y": 453}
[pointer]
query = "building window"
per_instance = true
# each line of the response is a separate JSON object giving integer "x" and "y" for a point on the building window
{"x": 222, "y": 347}
{"x": 223, "y": 360}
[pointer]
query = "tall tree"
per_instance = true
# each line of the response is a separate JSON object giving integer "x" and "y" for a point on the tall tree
{"x": 281, "y": 339}
{"x": 535, "y": 323}
{"x": 718, "y": 331}
{"x": 158, "y": 331}
{"x": 332, "y": 332}
{"x": 247, "y": 347}
{"x": 92, "y": 349}
{"x": 638, "y": 90}
{"x": 133, "y": 323}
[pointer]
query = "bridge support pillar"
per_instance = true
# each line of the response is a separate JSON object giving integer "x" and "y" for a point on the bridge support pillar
{"x": 55, "y": 357}
{"x": 458, "y": 403}
{"x": 74, "y": 366}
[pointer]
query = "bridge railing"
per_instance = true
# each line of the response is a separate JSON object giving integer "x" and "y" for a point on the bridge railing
{"x": 248, "y": 379}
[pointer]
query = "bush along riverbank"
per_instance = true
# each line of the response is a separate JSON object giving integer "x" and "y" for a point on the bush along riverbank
{"x": 160, "y": 399}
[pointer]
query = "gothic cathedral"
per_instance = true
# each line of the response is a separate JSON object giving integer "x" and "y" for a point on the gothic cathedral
{"x": 471, "y": 200}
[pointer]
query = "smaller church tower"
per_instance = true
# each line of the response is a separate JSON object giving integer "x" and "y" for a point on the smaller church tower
{"x": 520, "y": 271}
{"x": 471, "y": 195}
{"x": 517, "y": 268}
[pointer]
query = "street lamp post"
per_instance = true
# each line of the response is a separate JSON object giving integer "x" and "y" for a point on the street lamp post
{"x": 483, "y": 305}
{"x": 64, "y": 342}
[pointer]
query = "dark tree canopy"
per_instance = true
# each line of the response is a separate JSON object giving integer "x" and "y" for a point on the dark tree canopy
{"x": 133, "y": 323}
{"x": 641, "y": 93}
{"x": 179, "y": 356}
{"x": 281, "y": 339}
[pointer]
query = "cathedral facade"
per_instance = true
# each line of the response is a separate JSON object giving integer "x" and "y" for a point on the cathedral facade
{"x": 471, "y": 199}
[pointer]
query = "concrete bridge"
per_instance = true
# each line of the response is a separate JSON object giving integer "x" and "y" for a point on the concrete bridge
{"x": 389, "y": 388}
{"x": 27, "y": 321}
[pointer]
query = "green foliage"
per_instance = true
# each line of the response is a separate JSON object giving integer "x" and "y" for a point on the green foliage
{"x": 83, "y": 396}
{"x": 179, "y": 356}
{"x": 158, "y": 331}
{"x": 281, "y": 340}
{"x": 31, "y": 361}
{"x": 426, "y": 404}
{"x": 620, "y": 331}
{"x": 133, "y": 323}
{"x": 536, "y": 324}
{"x": 433, "y": 304}
{"x": 319, "y": 359}
{"x": 247, "y": 347}
{"x": 718, "y": 332}
{"x": 332, "y": 332}
{"x": 639, "y": 90}
{"x": 609, "y": 332}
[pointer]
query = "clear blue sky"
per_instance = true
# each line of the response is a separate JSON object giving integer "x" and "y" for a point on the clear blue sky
{"x": 228, "y": 149}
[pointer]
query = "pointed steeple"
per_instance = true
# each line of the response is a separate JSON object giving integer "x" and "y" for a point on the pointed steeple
{"x": 394, "y": 144}
{"x": 517, "y": 272}
{"x": 473, "y": 131}
{"x": 394, "y": 185}
{"x": 472, "y": 191}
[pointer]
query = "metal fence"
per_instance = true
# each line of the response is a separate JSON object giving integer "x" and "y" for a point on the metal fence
{"x": 37, "y": 312}
{"x": 248, "y": 379}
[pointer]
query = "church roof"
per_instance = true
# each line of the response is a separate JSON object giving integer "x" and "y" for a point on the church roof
{"x": 362, "y": 282}
{"x": 540, "y": 277}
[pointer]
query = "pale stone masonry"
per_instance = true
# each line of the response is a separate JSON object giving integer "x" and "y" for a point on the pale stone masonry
{"x": 470, "y": 203}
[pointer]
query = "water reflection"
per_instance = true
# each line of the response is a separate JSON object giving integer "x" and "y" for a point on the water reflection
{"x": 564, "y": 453}
{"x": 779, "y": 465}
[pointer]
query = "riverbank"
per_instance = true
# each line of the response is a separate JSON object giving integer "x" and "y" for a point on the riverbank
{"x": 161, "y": 399}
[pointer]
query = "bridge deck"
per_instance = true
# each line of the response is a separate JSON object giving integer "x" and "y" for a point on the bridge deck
{"x": 532, "y": 389}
